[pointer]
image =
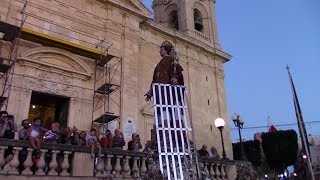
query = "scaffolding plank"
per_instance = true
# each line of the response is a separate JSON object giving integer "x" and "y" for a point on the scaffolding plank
{"x": 104, "y": 60}
{"x": 107, "y": 88}
{"x": 106, "y": 118}
{"x": 10, "y": 31}
{"x": 4, "y": 68}
{"x": 2, "y": 99}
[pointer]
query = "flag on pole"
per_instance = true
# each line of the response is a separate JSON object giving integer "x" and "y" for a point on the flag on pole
{"x": 301, "y": 125}
{"x": 272, "y": 128}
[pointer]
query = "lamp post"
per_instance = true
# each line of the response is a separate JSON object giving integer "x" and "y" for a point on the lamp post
{"x": 219, "y": 123}
{"x": 239, "y": 124}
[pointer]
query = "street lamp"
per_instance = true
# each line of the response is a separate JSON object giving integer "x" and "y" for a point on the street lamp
{"x": 239, "y": 124}
{"x": 219, "y": 123}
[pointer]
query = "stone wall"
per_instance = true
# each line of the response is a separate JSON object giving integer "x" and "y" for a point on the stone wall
{"x": 132, "y": 37}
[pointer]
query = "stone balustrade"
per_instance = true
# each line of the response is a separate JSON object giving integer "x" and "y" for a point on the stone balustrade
{"x": 202, "y": 36}
{"x": 218, "y": 169}
{"x": 60, "y": 160}
{"x": 66, "y": 160}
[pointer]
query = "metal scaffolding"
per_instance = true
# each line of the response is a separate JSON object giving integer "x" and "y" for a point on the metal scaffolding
{"x": 9, "y": 43}
{"x": 107, "y": 92}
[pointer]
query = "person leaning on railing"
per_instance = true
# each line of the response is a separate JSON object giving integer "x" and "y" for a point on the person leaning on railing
{"x": 7, "y": 129}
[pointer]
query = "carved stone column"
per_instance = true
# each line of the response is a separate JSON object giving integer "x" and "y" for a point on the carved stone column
{"x": 65, "y": 164}
{"x": 41, "y": 163}
{"x": 14, "y": 163}
{"x": 53, "y": 164}
{"x": 28, "y": 163}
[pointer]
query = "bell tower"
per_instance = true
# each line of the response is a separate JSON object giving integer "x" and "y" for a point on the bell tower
{"x": 196, "y": 18}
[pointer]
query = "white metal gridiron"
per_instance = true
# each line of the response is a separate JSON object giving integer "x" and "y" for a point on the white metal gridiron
{"x": 177, "y": 160}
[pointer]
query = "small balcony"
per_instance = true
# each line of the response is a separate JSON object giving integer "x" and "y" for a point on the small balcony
{"x": 75, "y": 162}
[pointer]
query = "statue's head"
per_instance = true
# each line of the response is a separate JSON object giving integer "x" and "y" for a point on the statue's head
{"x": 167, "y": 46}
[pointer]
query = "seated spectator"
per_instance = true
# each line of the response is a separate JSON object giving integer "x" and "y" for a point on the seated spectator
{"x": 213, "y": 153}
{"x": 106, "y": 141}
{"x": 203, "y": 151}
{"x": 118, "y": 139}
{"x": 66, "y": 136}
{"x": 74, "y": 136}
{"x": 81, "y": 141}
{"x": 35, "y": 133}
{"x": 134, "y": 144}
{"x": 7, "y": 129}
{"x": 25, "y": 132}
{"x": 148, "y": 147}
{"x": 92, "y": 142}
{"x": 51, "y": 136}
{"x": 12, "y": 125}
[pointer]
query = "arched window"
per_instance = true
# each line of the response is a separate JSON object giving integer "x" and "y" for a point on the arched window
{"x": 198, "y": 25}
{"x": 174, "y": 19}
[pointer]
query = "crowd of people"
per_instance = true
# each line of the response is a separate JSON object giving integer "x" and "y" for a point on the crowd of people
{"x": 36, "y": 134}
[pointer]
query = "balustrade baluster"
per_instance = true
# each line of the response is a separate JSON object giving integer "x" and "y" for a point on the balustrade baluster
{"x": 65, "y": 164}
{"x": 205, "y": 164}
{"x": 99, "y": 168}
{"x": 41, "y": 163}
{"x": 126, "y": 167}
{"x": 2, "y": 160}
{"x": 108, "y": 165}
{"x": 143, "y": 167}
{"x": 14, "y": 163}
{"x": 212, "y": 171}
{"x": 53, "y": 164}
{"x": 217, "y": 172}
{"x": 117, "y": 167}
{"x": 28, "y": 163}
{"x": 223, "y": 174}
{"x": 135, "y": 167}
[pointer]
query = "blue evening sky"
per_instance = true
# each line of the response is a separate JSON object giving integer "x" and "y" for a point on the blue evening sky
{"x": 263, "y": 37}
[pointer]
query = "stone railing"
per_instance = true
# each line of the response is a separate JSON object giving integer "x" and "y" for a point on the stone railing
{"x": 66, "y": 160}
{"x": 218, "y": 169}
{"x": 202, "y": 36}
{"x": 59, "y": 160}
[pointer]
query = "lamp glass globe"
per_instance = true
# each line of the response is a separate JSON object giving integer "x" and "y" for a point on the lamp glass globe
{"x": 219, "y": 122}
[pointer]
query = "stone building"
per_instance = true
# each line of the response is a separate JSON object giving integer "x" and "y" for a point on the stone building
{"x": 61, "y": 40}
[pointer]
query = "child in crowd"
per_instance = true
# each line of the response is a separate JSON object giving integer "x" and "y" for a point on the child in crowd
{"x": 36, "y": 128}
{"x": 92, "y": 142}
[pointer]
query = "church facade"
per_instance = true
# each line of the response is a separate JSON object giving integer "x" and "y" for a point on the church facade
{"x": 61, "y": 42}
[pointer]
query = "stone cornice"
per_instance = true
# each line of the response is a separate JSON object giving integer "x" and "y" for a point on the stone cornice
{"x": 140, "y": 11}
{"x": 185, "y": 38}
